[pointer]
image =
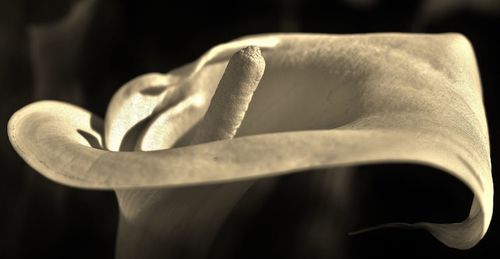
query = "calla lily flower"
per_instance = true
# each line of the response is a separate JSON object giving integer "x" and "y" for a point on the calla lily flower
{"x": 181, "y": 148}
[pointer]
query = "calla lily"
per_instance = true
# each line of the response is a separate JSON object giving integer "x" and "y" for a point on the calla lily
{"x": 181, "y": 148}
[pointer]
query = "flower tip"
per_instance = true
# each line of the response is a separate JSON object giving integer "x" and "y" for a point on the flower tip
{"x": 252, "y": 52}
{"x": 250, "y": 58}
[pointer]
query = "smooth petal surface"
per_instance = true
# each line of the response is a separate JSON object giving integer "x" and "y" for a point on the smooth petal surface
{"x": 324, "y": 101}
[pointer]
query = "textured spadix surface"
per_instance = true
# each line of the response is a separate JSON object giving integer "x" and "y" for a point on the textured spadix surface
{"x": 324, "y": 101}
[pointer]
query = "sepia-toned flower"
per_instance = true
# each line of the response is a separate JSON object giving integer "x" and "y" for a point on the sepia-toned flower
{"x": 180, "y": 149}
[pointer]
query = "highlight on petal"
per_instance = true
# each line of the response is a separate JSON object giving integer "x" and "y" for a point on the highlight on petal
{"x": 324, "y": 101}
{"x": 130, "y": 106}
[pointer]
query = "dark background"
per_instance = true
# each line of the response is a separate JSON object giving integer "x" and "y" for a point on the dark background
{"x": 48, "y": 50}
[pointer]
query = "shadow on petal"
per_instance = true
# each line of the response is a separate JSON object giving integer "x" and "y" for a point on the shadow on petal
{"x": 91, "y": 139}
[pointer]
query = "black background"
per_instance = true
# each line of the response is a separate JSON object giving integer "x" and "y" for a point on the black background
{"x": 39, "y": 218}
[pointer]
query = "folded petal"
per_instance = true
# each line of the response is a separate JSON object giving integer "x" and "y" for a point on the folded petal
{"x": 154, "y": 110}
{"x": 324, "y": 101}
{"x": 130, "y": 107}
{"x": 72, "y": 130}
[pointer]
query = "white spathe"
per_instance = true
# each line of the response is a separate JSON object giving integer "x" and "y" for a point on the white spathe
{"x": 324, "y": 101}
